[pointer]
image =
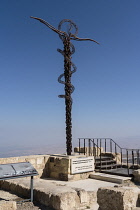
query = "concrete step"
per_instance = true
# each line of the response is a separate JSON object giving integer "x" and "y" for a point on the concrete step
{"x": 109, "y": 178}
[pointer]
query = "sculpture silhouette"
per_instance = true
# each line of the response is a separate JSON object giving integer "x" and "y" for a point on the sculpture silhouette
{"x": 68, "y": 50}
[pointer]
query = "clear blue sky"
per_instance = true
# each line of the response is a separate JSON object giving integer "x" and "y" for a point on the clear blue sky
{"x": 106, "y": 100}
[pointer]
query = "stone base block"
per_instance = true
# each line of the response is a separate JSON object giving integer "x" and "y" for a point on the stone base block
{"x": 60, "y": 168}
{"x": 116, "y": 198}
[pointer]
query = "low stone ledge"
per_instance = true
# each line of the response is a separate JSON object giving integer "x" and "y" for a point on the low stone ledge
{"x": 8, "y": 205}
{"x": 116, "y": 198}
{"x": 57, "y": 196}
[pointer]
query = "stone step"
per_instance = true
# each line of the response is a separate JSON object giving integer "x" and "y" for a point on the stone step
{"x": 105, "y": 162}
{"x": 108, "y": 166}
{"x": 109, "y": 178}
{"x": 103, "y": 158}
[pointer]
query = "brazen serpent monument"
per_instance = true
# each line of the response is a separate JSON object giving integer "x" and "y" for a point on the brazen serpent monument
{"x": 67, "y": 52}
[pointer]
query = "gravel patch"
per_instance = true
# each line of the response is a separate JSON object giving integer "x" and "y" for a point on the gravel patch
{"x": 31, "y": 206}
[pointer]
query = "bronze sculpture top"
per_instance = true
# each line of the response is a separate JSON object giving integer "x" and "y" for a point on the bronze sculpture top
{"x": 68, "y": 50}
{"x": 63, "y": 33}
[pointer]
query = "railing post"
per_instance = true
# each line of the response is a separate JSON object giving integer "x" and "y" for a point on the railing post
{"x": 94, "y": 149}
{"x": 100, "y": 143}
{"x": 100, "y": 159}
{"x": 100, "y": 154}
{"x": 105, "y": 145}
{"x": 97, "y": 147}
{"x": 115, "y": 149}
{"x": 79, "y": 147}
{"x": 89, "y": 146}
{"x": 31, "y": 187}
{"x": 111, "y": 145}
{"x": 84, "y": 147}
{"x": 133, "y": 158}
{"x": 138, "y": 157}
{"x": 121, "y": 156}
{"x": 127, "y": 162}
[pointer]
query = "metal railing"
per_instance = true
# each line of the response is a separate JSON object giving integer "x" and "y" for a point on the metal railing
{"x": 129, "y": 158}
{"x": 90, "y": 148}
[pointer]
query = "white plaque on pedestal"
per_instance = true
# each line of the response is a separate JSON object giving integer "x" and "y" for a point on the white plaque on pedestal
{"x": 82, "y": 164}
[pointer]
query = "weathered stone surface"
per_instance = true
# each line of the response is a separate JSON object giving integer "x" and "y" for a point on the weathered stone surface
{"x": 76, "y": 177}
{"x": 117, "y": 157}
{"x": 63, "y": 201}
{"x": 136, "y": 174}
{"x": 87, "y": 197}
{"x": 110, "y": 178}
{"x": 116, "y": 198}
{"x": 59, "y": 167}
{"x": 8, "y": 205}
{"x": 57, "y": 196}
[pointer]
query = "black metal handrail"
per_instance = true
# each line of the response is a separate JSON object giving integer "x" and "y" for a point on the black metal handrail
{"x": 95, "y": 148}
{"x": 130, "y": 158}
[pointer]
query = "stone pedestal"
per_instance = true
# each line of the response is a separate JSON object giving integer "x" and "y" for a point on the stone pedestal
{"x": 60, "y": 167}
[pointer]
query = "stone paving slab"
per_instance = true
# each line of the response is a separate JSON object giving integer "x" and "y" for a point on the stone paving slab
{"x": 110, "y": 178}
{"x": 87, "y": 184}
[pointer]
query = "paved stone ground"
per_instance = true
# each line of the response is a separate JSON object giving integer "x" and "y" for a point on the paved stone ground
{"x": 88, "y": 185}
{"x": 31, "y": 206}
{"x": 53, "y": 186}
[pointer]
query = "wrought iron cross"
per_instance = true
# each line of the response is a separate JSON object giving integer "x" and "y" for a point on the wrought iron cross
{"x": 67, "y": 52}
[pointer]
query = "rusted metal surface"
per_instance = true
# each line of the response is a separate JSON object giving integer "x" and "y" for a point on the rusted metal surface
{"x": 69, "y": 69}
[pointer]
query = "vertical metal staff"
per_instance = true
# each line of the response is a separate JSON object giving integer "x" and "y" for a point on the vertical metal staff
{"x": 69, "y": 88}
{"x": 69, "y": 49}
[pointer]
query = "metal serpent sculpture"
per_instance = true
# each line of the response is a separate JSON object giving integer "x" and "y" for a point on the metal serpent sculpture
{"x": 67, "y": 52}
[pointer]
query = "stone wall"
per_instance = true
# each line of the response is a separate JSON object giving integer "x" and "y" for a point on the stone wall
{"x": 49, "y": 166}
